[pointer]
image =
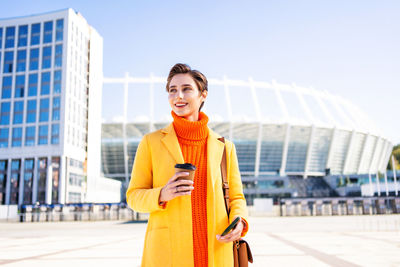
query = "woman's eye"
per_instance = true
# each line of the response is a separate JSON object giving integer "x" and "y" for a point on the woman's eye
{"x": 172, "y": 91}
{"x": 187, "y": 88}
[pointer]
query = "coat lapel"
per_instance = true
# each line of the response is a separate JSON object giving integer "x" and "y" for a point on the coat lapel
{"x": 215, "y": 149}
{"x": 170, "y": 141}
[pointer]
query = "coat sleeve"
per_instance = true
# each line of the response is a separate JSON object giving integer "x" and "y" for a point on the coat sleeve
{"x": 236, "y": 197}
{"x": 140, "y": 195}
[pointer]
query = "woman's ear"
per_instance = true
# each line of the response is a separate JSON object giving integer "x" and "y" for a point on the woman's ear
{"x": 204, "y": 94}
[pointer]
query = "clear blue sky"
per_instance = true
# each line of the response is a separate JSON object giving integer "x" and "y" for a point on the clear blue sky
{"x": 349, "y": 48}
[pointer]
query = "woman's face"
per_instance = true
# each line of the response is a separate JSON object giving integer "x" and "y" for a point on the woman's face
{"x": 184, "y": 96}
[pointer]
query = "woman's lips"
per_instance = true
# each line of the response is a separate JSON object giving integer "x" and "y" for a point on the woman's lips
{"x": 181, "y": 105}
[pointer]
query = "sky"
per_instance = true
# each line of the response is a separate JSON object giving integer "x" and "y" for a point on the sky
{"x": 348, "y": 48}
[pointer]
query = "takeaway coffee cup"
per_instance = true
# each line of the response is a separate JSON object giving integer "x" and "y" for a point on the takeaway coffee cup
{"x": 186, "y": 167}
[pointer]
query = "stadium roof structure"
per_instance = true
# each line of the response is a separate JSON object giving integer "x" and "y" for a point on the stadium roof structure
{"x": 277, "y": 128}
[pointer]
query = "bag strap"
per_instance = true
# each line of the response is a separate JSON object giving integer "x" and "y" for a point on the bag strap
{"x": 225, "y": 185}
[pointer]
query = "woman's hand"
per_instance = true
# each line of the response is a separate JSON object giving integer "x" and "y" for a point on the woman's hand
{"x": 235, "y": 234}
{"x": 175, "y": 188}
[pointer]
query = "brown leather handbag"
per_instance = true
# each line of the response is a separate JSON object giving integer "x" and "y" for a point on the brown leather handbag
{"x": 241, "y": 249}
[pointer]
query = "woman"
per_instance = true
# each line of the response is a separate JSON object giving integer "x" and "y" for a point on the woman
{"x": 186, "y": 218}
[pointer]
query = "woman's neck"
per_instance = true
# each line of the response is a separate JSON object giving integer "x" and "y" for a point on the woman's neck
{"x": 188, "y": 129}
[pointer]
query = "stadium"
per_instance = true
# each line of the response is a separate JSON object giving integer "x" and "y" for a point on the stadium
{"x": 291, "y": 141}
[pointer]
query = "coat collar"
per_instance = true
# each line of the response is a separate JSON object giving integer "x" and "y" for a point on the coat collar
{"x": 215, "y": 149}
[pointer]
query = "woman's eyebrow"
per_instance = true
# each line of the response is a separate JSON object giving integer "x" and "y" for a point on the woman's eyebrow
{"x": 187, "y": 84}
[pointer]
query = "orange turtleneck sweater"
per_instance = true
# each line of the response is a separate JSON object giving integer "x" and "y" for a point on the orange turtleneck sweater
{"x": 192, "y": 138}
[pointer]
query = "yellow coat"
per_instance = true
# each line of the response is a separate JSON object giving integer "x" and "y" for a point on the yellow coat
{"x": 169, "y": 240}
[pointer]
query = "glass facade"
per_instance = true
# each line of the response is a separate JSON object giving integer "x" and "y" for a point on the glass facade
{"x": 30, "y": 133}
{"x": 297, "y": 150}
{"x": 42, "y": 174}
{"x": 46, "y": 57}
{"x": 18, "y": 112}
{"x": 55, "y": 164}
{"x": 57, "y": 82}
{"x": 48, "y": 32}
{"x": 28, "y": 180}
{"x": 45, "y": 83}
{"x": 59, "y": 30}
{"x": 43, "y": 134}
{"x": 10, "y": 37}
{"x": 16, "y": 137}
{"x": 273, "y": 137}
{"x": 340, "y": 148}
{"x": 19, "y": 86}
{"x": 56, "y": 109}
{"x": 1, "y": 38}
{"x": 7, "y": 86}
{"x": 5, "y": 113}
{"x": 22, "y": 35}
{"x": 35, "y": 34}
{"x": 3, "y": 181}
{"x": 58, "y": 57}
{"x": 55, "y": 134}
{"x": 33, "y": 84}
{"x": 4, "y": 137}
{"x": 34, "y": 59}
{"x": 44, "y": 110}
{"x": 8, "y": 62}
{"x": 15, "y": 180}
{"x": 31, "y": 111}
{"x": 21, "y": 60}
{"x": 319, "y": 150}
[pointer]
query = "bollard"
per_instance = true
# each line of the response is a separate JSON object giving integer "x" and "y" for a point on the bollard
{"x": 366, "y": 207}
{"x": 350, "y": 207}
{"x": 318, "y": 207}
{"x": 335, "y": 207}
{"x": 381, "y": 206}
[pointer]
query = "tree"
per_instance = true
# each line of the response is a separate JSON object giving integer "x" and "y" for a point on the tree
{"x": 396, "y": 154}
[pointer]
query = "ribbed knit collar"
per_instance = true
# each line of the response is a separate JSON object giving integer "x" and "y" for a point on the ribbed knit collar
{"x": 191, "y": 130}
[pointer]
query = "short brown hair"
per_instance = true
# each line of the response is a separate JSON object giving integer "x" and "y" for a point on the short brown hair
{"x": 197, "y": 76}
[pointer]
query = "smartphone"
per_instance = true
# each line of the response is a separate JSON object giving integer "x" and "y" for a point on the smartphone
{"x": 231, "y": 226}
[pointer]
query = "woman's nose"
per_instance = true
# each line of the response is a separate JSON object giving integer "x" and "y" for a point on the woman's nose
{"x": 180, "y": 94}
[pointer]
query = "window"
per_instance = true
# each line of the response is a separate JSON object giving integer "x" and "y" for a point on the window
{"x": 55, "y": 165}
{"x": 23, "y": 35}
{"x": 10, "y": 37}
{"x": 35, "y": 34}
{"x": 14, "y": 181}
{"x": 32, "y": 85}
{"x": 1, "y": 40}
{"x": 58, "y": 56}
{"x": 44, "y": 110}
{"x": 18, "y": 112}
{"x": 56, "y": 109}
{"x": 45, "y": 86}
{"x": 43, "y": 132}
{"x": 46, "y": 57}
{"x": 5, "y": 113}
{"x": 48, "y": 32}
{"x": 55, "y": 133}
{"x": 4, "y": 137}
{"x": 42, "y": 175}
{"x": 34, "y": 59}
{"x": 19, "y": 86}
{"x": 31, "y": 111}
{"x": 21, "y": 60}
{"x": 6, "y": 89}
{"x": 16, "y": 136}
{"x": 30, "y": 136}
{"x": 59, "y": 29}
{"x": 57, "y": 82}
{"x": 8, "y": 62}
{"x": 28, "y": 180}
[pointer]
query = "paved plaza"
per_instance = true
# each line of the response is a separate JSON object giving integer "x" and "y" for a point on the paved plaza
{"x": 275, "y": 241}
